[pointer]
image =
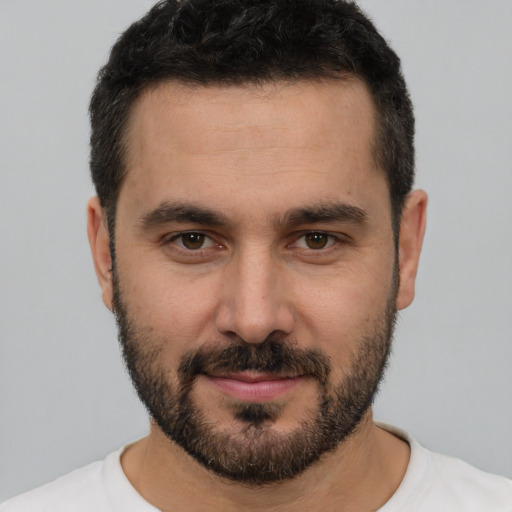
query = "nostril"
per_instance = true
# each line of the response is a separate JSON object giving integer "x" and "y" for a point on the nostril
{"x": 252, "y": 327}
{"x": 252, "y": 302}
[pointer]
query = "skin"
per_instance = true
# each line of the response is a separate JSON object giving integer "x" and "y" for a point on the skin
{"x": 253, "y": 154}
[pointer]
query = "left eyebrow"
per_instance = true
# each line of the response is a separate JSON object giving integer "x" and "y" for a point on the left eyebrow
{"x": 325, "y": 212}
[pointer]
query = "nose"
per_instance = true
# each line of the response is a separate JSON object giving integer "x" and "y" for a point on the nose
{"x": 254, "y": 300}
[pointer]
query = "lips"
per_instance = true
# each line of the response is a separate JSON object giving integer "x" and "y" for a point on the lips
{"x": 254, "y": 387}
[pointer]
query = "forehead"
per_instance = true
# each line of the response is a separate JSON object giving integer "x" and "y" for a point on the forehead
{"x": 210, "y": 117}
{"x": 290, "y": 136}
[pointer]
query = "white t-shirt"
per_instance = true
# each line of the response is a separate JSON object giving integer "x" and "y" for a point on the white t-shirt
{"x": 432, "y": 483}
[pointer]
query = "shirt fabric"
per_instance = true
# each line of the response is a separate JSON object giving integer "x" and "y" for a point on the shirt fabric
{"x": 432, "y": 483}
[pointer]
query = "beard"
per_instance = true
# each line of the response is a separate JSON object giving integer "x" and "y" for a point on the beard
{"x": 255, "y": 453}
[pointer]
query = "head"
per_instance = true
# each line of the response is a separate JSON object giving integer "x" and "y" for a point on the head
{"x": 200, "y": 42}
{"x": 253, "y": 163}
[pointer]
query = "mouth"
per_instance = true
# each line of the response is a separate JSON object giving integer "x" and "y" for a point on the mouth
{"x": 254, "y": 387}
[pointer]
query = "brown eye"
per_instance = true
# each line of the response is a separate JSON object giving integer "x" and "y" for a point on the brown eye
{"x": 316, "y": 240}
{"x": 192, "y": 241}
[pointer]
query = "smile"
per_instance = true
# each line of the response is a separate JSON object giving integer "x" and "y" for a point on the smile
{"x": 255, "y": 387}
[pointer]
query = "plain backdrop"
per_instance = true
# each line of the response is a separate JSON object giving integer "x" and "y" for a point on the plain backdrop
{"x": 64, "y": 397}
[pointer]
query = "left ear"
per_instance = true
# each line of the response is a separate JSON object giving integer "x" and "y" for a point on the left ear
{"x": 412, "y": 230}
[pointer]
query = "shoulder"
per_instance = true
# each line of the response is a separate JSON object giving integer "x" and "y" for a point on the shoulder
{"x": 81, "y": 490}
{"x": 446, "y": 484}
{"x": 463, "y": 484}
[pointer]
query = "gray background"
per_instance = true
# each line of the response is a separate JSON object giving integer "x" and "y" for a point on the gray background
{"x": 64, "y": 397}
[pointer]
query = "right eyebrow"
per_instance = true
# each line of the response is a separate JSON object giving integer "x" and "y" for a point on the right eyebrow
{"x": 167, "y": 212}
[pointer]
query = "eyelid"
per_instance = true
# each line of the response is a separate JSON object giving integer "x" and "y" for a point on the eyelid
{"x": 179, "y": 252}
{"x": 335, "y": 238}
{"x": 169, "y": 237}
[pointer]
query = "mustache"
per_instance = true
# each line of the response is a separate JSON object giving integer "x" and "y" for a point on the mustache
{"x": 271, "y": 356}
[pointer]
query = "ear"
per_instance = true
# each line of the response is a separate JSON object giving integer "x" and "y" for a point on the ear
{"x": 412, "y": 230}
{"x": 100, "y": 248}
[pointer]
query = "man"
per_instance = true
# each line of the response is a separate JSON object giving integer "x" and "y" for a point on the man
{"x": 255, "y": 233}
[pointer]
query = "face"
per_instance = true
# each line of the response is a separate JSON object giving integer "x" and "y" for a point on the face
{"x": 255, "y": 281}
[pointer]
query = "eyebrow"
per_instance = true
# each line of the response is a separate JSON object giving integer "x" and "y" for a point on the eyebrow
{"x": 169, "y": 212}
{"x": 166, "y": 213}
{"x": 324, "y": 212}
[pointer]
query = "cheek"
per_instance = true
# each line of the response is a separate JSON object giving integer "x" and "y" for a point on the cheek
{"x": 177, "y": 308}
{"x": 339, "y": 314}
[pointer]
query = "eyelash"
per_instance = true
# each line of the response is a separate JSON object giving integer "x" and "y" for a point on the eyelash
{"x": 331, "y": 241}
{"x": 175, "y": 238}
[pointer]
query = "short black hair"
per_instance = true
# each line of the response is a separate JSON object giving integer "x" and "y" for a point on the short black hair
{"x": 216, "y": 42}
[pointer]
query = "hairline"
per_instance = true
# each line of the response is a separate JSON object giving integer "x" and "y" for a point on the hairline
{"x": 151, "y": 86}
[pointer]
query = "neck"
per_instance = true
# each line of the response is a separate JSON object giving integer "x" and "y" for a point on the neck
{"x": 361, "y": 474}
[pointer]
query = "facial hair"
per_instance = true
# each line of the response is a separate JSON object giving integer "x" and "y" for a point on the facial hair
{"x": 255, "y": 454}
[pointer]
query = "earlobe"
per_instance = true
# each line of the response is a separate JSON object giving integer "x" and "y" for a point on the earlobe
{"x": 412, "y": 231}
{"x": 99, "y": 242}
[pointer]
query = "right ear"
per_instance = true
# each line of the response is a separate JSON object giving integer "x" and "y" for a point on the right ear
{"x": 99, "y": 242}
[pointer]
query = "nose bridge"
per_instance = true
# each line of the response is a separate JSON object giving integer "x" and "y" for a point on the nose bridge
{"x": 254, "y": 303}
